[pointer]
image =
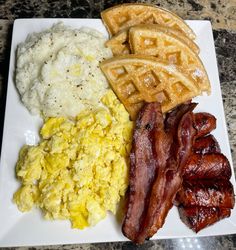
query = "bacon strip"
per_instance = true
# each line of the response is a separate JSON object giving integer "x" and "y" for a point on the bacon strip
{"x": 168, "y": 180}
{"x": 173, "y": 118}
{"x": 162, "y": 154}
{"x": 143, "y": 168}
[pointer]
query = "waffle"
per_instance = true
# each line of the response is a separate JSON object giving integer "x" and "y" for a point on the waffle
{"x": 119, "y": 43}
{"x": 138, "y": 79}
{"x": 160, "y": 42}
{"x": 126, "y": 15}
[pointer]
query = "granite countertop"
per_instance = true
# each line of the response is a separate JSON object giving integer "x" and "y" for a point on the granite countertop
{"x": 222, "y": 14}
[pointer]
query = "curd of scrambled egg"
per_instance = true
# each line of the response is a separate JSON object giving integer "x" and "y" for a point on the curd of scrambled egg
{"x": 80, "y": 168}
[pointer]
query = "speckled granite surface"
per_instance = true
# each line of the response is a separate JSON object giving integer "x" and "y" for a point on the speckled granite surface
{"x": 222, "y": 14}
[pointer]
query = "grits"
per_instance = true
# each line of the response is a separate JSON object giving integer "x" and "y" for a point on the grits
{"x": 57, "y": 70}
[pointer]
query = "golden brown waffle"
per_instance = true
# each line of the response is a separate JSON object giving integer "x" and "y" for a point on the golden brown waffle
{"x": 119, "y": 43}
{"x": 126, "y": 15}
{"x": 161, "y": 43}
{"x": 137, "y": 79}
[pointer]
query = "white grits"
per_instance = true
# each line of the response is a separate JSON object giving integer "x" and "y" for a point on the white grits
{"x": 57, "y": 70}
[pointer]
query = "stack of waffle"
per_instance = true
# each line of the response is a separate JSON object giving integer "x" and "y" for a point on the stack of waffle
{"x": 155, "y": 57}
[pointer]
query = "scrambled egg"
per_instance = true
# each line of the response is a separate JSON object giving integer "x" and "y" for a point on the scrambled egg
{"x": 80, "y": 168}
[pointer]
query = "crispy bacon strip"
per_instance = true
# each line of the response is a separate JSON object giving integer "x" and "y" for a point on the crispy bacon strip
{"x": 173, "y": 118}
{"x": 207, "y": 166}
{"x": 162, "y": 152}
{"x": 142, "y": 169}
{"x": 198, "y": 218}
{"x": 168, "y": 179}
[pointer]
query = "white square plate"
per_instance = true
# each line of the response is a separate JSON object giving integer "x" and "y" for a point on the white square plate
{"x": 18, "y": 229}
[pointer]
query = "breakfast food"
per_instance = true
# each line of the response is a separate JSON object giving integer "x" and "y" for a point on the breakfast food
{"x": 123, "y": 16}
{"x": 160, "y": 150}
{"x": 80, "y": 168}
{"x": 206, "y": 164}
{"x": 57, "y": 70}
{"x": 204, "y": 123}
{"x": 198, "y": 218}
{"x": 142, "y": 169}
{"x": 120, "y": 43}
{"x": 164, "y": 168}
{"x": 203, "y": 203}
{"x": 139, "y": 30}
{"x": 138, "y": 79}
{"x": 206, "y": 144}
{"x": 206, "y": 195}
{"x": 170, "y": 47}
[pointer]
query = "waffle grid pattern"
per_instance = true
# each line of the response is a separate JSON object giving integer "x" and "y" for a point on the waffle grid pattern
{"x": 128, "y": 15}
{"x": 148, "y": 81}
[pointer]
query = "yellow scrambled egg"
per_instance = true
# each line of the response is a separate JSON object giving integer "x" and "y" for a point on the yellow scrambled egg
{"x": 79, "y": 170}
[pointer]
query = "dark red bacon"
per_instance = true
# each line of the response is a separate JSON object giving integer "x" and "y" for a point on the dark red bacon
{"x": 143, "y": 168}
{"x": 157, "y": 159}
{"x": 173, "y": 117}
{"x": 168, "y": 181}
{"x": 176, "y": 160}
